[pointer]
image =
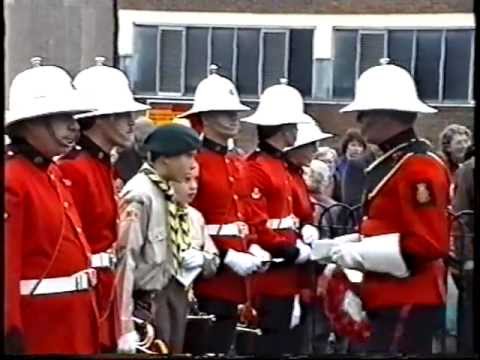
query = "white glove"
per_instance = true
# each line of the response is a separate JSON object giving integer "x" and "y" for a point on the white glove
{"x": 309, "y": 233}
{"x": 192, "y": 258}
{"x": 242, "y": 263}
{"x": 305, "y": 252}
{"x": 127, "y": 343}
{"x": 347, "y": 255}
{"x": 296, "y": 312}
{"x": 354, "y": 237}
{"x": 263, "y": 255}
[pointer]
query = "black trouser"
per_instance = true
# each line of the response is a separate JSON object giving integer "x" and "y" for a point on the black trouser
{"x": 274, "y": 321}
{"x": 411, "y": 335}
{"x": 222, "y": 331}
{"x": 465, "y": 314}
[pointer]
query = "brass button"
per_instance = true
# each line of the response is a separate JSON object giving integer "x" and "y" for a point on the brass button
{"x": 235, "y": 196}
{"x": 66, "y": 204}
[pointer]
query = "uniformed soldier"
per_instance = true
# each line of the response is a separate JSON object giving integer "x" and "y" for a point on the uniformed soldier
{"x": 277, "y": 116}
{"x": 313, "y": 325}
{"x": 404, "y": 233}
{"x": 154, "y": 237}
{"x": 91, "y": 178}
{"x": 223, "y": 191}
{"x": 50, "y": 303}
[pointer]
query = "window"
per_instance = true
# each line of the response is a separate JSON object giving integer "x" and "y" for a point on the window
{"x": 441, "y": 61}
{"x": 344, "y": 64}
{"x": 170, "y": 60}
{"x": 274, "y": 58}
{"x": 248, "y": 56}
{"x": 145, "y": 59}
{"x": 173, "y": 60}
{"x": 196, "y": 67}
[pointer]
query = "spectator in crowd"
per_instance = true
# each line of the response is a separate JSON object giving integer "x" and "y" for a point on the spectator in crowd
{"x": 352, "y": 146}
{"x": 130, "y": 160}
{"x": 329, "y": 156}
{"x": 355, "y": 156}
{"x": 353, "y": 178}
{"x": 319, "y": 177}
{"x": 454, "y": 141}
{"x": 464, "y": 200}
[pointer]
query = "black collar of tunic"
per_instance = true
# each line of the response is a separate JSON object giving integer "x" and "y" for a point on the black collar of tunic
{"x": 400, "y": 138}
{"x": 21, "y": 146}
{"x": 271, "y": 150}
{"x": 93, "y": 149}
{"x": 214, "y": 146}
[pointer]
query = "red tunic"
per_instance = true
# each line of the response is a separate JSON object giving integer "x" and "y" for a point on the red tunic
{"x": 223, "y": 198}
{"x": 412, "y": 202}
{"x": 40, "y": 215}
{"x": 304, "y": 211}
{"x": 272, "y": 198}
{"x": 89, "y": 172}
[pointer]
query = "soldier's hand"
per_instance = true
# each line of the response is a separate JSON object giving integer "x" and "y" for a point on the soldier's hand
{"x": 304, "y": 252}
{"x": 242, "y": 263}
{"x": 309, "y": 234}
{"x": 127, "y": 343}
{"x": 263, "y": 255}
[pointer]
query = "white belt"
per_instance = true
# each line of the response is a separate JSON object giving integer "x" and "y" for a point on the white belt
{"x": 238, "y": 228}
{"x": 82, "y": 280}
{"x": 287, "y": 223}
{"x": 103, "y": 260}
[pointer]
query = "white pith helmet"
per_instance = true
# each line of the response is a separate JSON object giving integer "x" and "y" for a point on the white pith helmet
{"x": 279, "y": 105}
{"x": 215, "y": 93}
{"x": 386, "y": 87}
{"x": 308, "y": 133}
{"x": 107, "y": 88}
{"x": 43, "y": 90}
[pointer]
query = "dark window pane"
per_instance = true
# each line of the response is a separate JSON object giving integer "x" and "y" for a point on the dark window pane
{"x": 273, "y": 58}
{"x": 196, "y": 65}
{"x": 344, "y": 66}
{"x": 301, "y": 61}
{"x": 371, "y": 50}
{"x": 170, "y": 60}
{"x": 427, "y": 63}
{"x": 457, "y": 65}
{"x": 247, "y": 61}
{"x": 400, "y": 44}
{"x": 222, "y": 50}
{"x": 145, "y": 50}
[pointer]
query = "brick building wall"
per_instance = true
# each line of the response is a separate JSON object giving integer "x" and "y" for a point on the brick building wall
{"x": 305, "y": 6}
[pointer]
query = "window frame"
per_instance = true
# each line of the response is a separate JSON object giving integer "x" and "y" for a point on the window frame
{"x": 262, "y": 57}
{"x": 440, "y": 101}
{"x": 184, "y": 28}
{"x": 183, "y": 64}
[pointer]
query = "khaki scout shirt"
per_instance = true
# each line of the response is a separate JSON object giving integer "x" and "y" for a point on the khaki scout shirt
{"x": 144, "y": 252}
{"x": 202, "y": 241}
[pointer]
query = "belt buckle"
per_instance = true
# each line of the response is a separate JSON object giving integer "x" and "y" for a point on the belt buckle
{"x": 242, "y": 229}
{"x": 91, "y": 276}
{"x": 112, "y": 260}
{"x": 82, "y": 281}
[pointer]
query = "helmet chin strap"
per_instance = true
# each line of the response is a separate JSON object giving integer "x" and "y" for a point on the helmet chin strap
{"x": 52, "y": 134}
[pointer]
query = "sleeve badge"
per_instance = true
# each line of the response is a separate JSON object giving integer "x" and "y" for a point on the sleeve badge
{"x": 256, "y": 194}
{"x": 424, "y": 194}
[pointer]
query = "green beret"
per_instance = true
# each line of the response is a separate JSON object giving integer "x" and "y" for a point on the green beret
{"x": 172, "y": 140}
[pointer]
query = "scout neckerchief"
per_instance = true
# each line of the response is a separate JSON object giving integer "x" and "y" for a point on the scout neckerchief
{"x": 178, "y": 224}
